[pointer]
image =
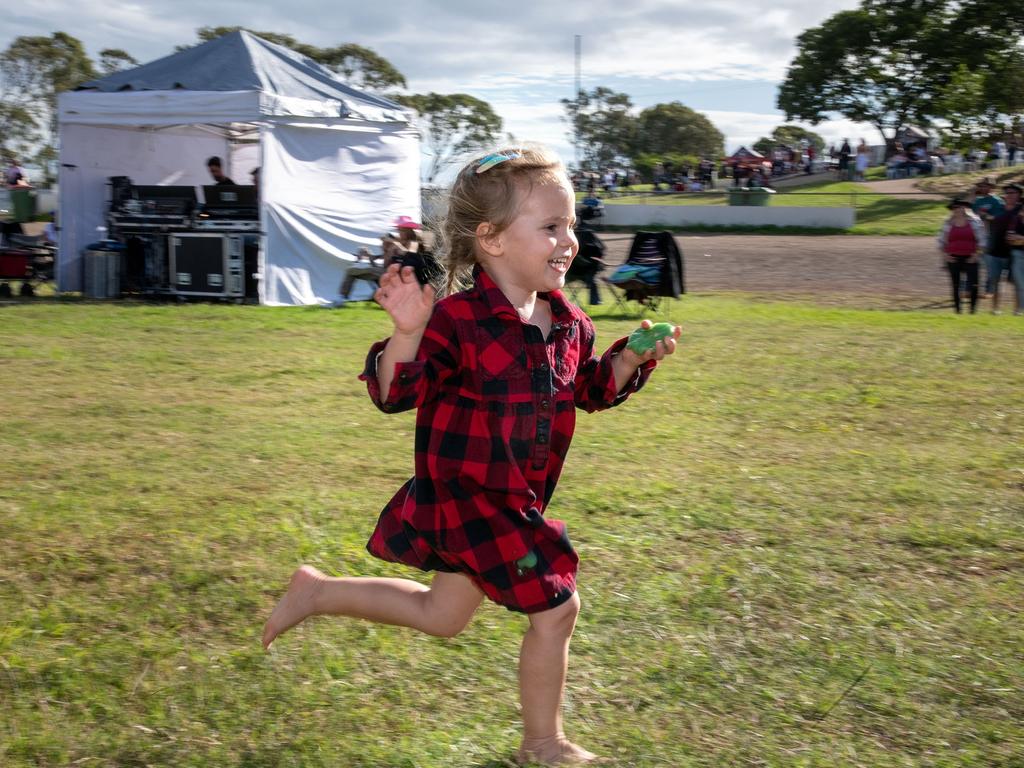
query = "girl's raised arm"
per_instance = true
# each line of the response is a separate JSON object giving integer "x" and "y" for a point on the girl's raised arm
{"x": 409, "y": 306}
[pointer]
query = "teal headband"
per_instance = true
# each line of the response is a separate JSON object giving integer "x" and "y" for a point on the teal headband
{"x": 496, "y": 159}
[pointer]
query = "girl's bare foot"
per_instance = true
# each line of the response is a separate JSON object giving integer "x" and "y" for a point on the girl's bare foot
{"x": 297, "y": 604}
{"x": 554, "y": 750}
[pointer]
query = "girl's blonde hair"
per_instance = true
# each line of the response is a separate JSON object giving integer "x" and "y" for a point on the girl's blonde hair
{"x": 493, "y": 195}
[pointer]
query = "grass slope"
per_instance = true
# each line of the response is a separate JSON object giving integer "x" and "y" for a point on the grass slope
{"x": 876, "y": 213}
{"x": 803, "y": 495}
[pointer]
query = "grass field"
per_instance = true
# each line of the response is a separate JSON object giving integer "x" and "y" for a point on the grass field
{"x": 806, "y": 502}
{"x": 876, "y": 213}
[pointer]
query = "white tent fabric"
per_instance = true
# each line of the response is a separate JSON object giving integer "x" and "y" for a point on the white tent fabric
{"x": 337, "y": 166}
{"x": 324, "y": 187}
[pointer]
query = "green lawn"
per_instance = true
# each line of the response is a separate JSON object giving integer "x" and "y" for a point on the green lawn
{"x": 876, "y": 213}
{"x": 804, "y": 496}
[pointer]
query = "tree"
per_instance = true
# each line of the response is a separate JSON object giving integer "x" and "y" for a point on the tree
{"x": 602, "y": 125}
{"x": 1005, "y": 89}
{"x": 115, "y": 60}
{"x": 764, "y": 145}
{"x": 790, "y": 136}
{"x": 454, "y": 124}
{"x": 983, "y": 94}
{"x": 675, "y": 128}
{"x": 647, "y": 165}
{"x": 794, "y": 136}
{"x": 963, "y": 105}
{"x": 33, "y": 70}
{"x": 358, "y": 66}
{"x": 880, "y": 64}
{"x": 897, "y": 62}
{"x": 18, "y": 129}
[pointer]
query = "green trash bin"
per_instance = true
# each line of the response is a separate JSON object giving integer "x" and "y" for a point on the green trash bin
{"x": 750, "y": 195}
{"x": 24, "y": 203}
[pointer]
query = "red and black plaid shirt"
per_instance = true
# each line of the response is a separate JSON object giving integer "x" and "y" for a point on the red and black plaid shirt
{"x": 496, "y": 412}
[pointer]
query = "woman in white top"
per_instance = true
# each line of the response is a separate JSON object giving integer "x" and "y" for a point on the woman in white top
{"x": 861, "y": 163}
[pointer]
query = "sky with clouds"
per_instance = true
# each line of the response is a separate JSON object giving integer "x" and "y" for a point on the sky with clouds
{"x": 724, "y": 59}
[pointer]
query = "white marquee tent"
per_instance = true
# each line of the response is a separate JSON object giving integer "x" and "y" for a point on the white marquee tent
{"x": 337, "y": 166}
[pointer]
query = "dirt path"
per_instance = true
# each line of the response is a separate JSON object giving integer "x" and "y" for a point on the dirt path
{"x": 903, "y": 187}
{"x": 901, "y": 272}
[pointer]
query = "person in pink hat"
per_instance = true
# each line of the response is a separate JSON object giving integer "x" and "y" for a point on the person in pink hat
{"x": 416, "y": 252}
{"x": 408, "y": 237}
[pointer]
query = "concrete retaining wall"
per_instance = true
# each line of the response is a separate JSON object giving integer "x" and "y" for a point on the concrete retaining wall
{"x": 726, "y": 216}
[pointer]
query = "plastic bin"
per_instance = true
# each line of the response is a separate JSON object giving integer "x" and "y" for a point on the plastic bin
{"x": 750, "y": 196}
{"x": 102, "y": 264}
{"x": 23, "y": 201}
{"x": 15, "y": 264}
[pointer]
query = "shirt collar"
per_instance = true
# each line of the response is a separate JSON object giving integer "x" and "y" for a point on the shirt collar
{"x": 500, "y": 306}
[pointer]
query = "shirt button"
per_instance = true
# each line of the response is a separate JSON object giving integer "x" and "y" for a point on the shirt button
{"x": 545, "y": 404}
{"x": 542, "y": 439}
{"x": 543, "y": 366}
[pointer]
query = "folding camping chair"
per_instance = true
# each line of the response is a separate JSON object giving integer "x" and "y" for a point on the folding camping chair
{"x": 653, "y": 271}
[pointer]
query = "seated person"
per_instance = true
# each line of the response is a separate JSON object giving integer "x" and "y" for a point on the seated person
{"x": 15, "y": 176}
{"x": 417, "y": 255}
{"x": 897, "y": 162}
{"x": 589, "y": 262}
{"x": 590, "y": 208}
{"x": 369, "y": 267}
{"x": 408, "y": 237}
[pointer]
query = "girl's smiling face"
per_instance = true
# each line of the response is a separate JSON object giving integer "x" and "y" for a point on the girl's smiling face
{"x": 533, "y": 254}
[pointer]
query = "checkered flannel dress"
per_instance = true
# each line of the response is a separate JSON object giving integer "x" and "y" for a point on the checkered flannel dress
{"x": 496, "y": 408}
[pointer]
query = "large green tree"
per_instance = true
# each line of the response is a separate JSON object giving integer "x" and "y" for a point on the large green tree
{"x": 896, "y": 62}
{"x": 358, "y": 66}
{"x": 791, "y": 136}
{"x": 18, "y": 129}
{"x": 33, "y": 71}
{"x": 602, "y": 126}
{"x": 453, "y": 124}
{"x": 675, "y": 128}
{"x": 983, "y": 93}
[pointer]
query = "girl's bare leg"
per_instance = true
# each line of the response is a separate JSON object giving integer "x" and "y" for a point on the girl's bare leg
{"x": 543, "y": 662}
{"x": 443, "y": 609}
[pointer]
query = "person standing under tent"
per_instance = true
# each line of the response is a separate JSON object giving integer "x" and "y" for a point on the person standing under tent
{"x": 216, "y": 168}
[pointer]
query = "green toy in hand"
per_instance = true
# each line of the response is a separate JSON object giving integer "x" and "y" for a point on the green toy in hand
{"x": 643, "y": 339}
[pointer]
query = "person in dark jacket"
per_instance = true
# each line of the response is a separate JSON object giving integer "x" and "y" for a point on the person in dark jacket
{"x": 998, "y": 258}
{"x": 589, "y": 262}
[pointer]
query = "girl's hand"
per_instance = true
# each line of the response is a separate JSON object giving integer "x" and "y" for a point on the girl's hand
{"x": 661, "y": 348}
{"x": 401, "y": 295}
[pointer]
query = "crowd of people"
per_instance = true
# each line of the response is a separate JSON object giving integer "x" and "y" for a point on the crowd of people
{"x": 985, "y": 228}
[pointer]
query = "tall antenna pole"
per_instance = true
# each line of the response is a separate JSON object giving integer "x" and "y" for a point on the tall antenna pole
{"x": 578, "y": 97}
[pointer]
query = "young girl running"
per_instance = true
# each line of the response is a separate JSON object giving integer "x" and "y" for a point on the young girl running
{"x": 496, "y": 370}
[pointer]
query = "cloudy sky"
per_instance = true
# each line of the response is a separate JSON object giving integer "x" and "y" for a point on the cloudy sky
{"x": 723, "y": 58}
